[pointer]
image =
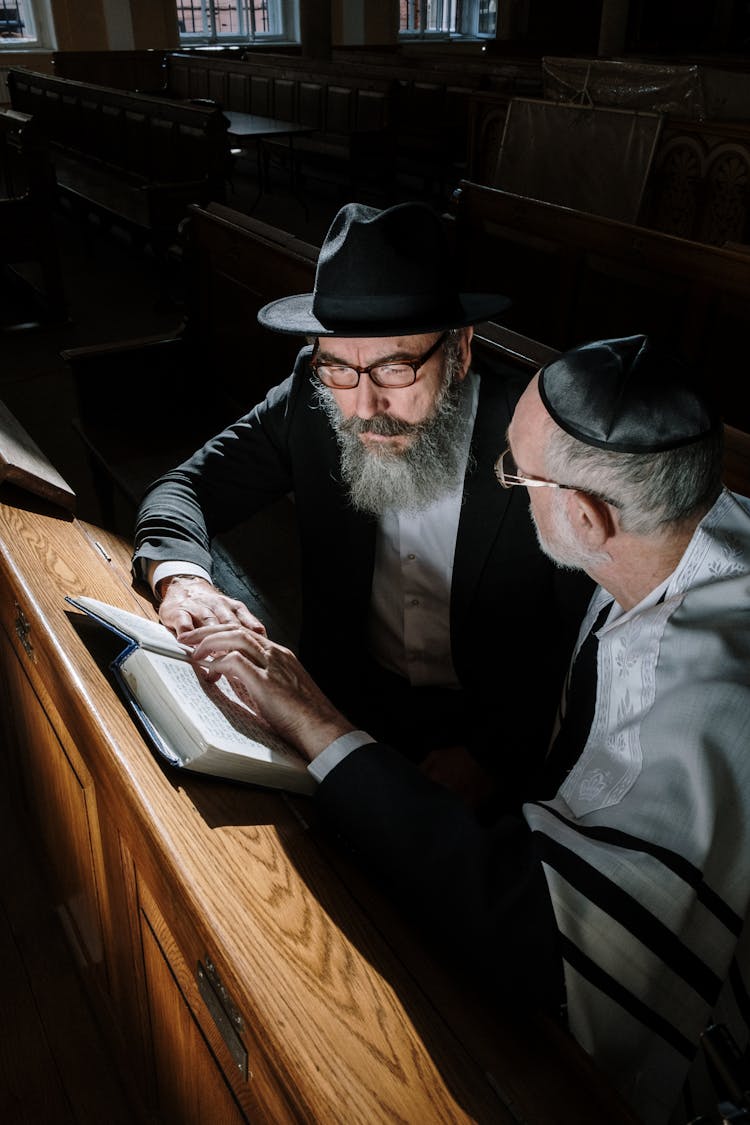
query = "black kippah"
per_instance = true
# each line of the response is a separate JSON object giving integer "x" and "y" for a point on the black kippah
{"x": 629, "y": 395}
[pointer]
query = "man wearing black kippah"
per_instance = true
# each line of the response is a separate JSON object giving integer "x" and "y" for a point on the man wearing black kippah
{"x": 620, "y": 894}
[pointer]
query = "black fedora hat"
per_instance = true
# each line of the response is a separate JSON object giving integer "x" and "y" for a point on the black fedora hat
{"x": 382, "y": 273}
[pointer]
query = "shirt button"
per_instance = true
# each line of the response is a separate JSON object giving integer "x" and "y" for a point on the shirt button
{"x": 415, "y": 601}
{"x": 411, "y": 557}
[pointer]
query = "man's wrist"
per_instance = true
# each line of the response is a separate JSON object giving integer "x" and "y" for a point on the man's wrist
{"x": 163, "y": 584}
{"x": 159, "y": 571}
{"x": 335, "y": 752}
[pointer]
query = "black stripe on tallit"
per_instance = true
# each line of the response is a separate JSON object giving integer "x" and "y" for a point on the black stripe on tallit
{"x": 676, "y": 863}
{"x": 632, "y": 915}
{"x": 597, "y": 976}
{"x": 739, "y": 991}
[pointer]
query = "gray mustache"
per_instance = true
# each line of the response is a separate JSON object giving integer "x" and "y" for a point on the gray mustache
{"x": 382, "y": 425}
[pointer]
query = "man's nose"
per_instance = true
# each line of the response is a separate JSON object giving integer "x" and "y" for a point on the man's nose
{"x": 370, "y": 399}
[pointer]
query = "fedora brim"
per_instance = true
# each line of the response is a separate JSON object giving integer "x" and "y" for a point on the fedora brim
{"x": 294, "y": 315}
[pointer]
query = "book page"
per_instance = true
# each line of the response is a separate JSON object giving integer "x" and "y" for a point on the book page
{"x": 152, "y": 634}
{"x": 213, "y": 714}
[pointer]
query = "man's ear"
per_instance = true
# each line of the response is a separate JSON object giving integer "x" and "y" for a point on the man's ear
{"x": 464, "y": 336}
{"x": 592, "y": 518}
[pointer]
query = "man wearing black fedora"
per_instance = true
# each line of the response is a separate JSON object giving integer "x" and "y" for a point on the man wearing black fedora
{"x": 423, "y": 585}
{"x": 618, "y": 896}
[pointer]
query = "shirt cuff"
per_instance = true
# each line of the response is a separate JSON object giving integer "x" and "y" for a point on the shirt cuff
{"x": 336, "y": 751}
{"x": 167, "y": 569}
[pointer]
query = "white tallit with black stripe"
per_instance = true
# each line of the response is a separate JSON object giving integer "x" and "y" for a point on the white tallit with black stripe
{"x": 646, "y": 846}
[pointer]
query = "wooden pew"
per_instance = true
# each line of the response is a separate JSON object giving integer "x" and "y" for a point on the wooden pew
{"x": 348, "y": 113}
{"x": 141, "y": 69}
{"x": 575, "y": 277}
{"x": 233, "y": 265}
{"x": 127, "y": 157}
{"x": 375, "y": 120}
{"x": 241, "y": 967}
{"x": 28, "y": 238}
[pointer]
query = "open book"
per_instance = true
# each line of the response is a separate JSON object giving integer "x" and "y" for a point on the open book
{"x": 201, "y": 727}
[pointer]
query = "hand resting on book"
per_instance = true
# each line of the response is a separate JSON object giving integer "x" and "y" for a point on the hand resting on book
{"x": 188, "y": 601}
{"x": 270, "y": 678}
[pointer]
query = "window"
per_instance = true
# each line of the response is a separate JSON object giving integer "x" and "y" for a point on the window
{"x": 18, "y": 26}
{"x": 230, "y": 21}
{"x": 446, "y": 18}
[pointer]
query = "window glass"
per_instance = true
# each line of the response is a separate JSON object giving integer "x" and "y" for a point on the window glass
{"x": 18, "y": 26}
{"x": 443, "y": 18}
{"x": 229, "y": 21}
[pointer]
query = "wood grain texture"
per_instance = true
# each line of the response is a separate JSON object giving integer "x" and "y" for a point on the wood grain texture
{"x": 345, "y": 1019}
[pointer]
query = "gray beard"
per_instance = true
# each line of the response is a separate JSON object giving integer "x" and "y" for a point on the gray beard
{"x": 408, "y": 480}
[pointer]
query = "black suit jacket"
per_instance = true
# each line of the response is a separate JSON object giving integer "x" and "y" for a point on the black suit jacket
{"x": 513, "y": 613}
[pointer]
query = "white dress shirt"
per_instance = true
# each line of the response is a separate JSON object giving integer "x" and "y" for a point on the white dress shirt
{"x": 409, "y": 626}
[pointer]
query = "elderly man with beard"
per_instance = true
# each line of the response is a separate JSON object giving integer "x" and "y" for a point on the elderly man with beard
{"x": 619, "y": 894}
{"x": 424, "y": 590}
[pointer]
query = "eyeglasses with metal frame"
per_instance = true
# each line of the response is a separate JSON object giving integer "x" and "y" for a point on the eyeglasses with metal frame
{"x": 391, "y": 375}
{"x": 509, "y": 479}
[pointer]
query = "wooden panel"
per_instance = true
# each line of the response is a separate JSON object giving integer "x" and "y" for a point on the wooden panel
{"x": 372, "y": 111}
{"x": 340, "y": 109}
{"x": 54, "y": 1066}
{"x": 311, "y": 104}
{"x": 61, "y": 798}
{"x": 217, "y": 87}
{"x": 347, "y": 1006}
{"x": 261, "y": 97}
{"x": 238, "y": 94}
{"x": 199, "y": 1081}
{"x": 284, "y": 99}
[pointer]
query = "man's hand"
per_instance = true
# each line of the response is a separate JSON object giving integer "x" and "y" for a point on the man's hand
{"x": 272, "y": 681}
{"x": 189, "y": 601}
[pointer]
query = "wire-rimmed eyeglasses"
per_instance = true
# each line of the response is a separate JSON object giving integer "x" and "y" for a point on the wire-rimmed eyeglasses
{"x": 505, "y": 471}
{"x": 508, "y": 476}
{"x": 396, "y": 374}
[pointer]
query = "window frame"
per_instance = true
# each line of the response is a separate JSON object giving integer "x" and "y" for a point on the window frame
{"x": 38, "y": 27}
{"x": 282, "y": 23}
{"x": 459, "y": 19}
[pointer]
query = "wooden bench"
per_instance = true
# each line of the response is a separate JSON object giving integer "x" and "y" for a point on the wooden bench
{"x": 375, "y": 121}
{"x": 141, "y": 70}
{"x": 696, "y": 186}
{"x": 28, "y": 238}
{"x": 130, "y": 158}
{"x": 218, "y": 356}
{"x": 349, "y": 114}
{"x": 575, "y": 277}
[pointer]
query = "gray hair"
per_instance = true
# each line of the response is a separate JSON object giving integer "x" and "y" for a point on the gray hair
{"x": 650, "y": 490}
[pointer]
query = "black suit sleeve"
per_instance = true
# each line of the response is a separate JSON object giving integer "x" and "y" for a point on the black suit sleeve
{"x": 478, "y": 891}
